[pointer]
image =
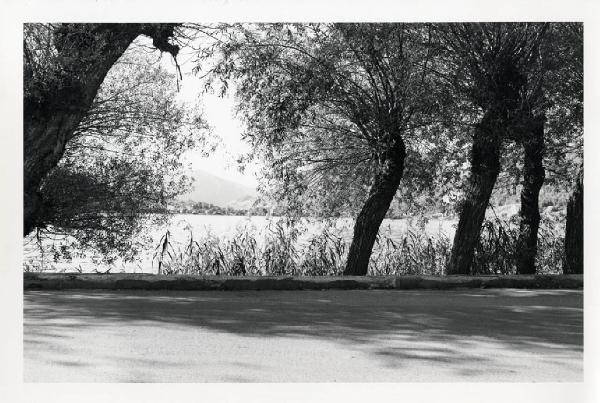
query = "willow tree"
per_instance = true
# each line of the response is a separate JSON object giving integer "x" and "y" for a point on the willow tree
{"x": 64, "y": 66}
{"x": 122, "y": 162}
{"x": 496, "y": 68}
{"x": 566, "y": 85}
{"x": 334, "y": 101}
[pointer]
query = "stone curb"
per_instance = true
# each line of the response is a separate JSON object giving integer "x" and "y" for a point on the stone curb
{"x": 125, "y": 281}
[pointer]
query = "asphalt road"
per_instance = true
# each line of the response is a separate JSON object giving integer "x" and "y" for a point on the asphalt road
{"x": 309, "y": 336}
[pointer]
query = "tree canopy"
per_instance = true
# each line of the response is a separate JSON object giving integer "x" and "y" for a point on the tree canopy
{"x": 347, "y": 119}
{"x": 330, "y": 107}
{"x": 123, "y": 159}
{"x": 64, "y": 66}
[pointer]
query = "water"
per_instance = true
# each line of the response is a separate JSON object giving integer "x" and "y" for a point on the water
{"x": 226, "y": 227}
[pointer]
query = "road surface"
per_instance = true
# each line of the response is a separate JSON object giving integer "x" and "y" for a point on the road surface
{"x": 308, "y": 336}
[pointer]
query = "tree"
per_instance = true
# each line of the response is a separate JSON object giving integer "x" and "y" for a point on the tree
{"x": 326, "y": 101}
{"x": 495, "y": 68}
{"x": 123, "y": 160}
{"x": 574, "y": 230}
{"x": 555, "y": 138}
{"x": 64, "y": 66}
{"x": 567, "y": 89}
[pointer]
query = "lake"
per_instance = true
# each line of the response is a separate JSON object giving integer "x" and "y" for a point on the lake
{"x": 226, "y": 227}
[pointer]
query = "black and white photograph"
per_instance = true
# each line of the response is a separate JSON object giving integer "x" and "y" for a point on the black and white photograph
{"x": 298, "y": 201}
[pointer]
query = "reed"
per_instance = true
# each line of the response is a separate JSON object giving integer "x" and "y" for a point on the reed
{"x": 278, "y": 250}
{"x": 275, "y": 251}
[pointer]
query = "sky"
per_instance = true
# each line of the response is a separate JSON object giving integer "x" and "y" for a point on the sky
{"x": 219, "y": 114}
{"x": 223, "y": 161}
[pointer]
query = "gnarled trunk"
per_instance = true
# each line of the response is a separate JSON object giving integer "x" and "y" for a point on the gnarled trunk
{"x": 384, "y": 186}
{"x": 54, "y": 109}
{"x": 485, "y": 166}
{"x": 574, "y": 229}
{"x": 533, "y": 179}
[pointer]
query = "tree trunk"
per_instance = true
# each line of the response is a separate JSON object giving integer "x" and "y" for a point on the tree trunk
{"x": 533, "y": 179}
{"x": 384, "y": 186}
{"x": 485, "y": 166}
{"x": 54, "y": 108}
{"x": 574, "y": 231}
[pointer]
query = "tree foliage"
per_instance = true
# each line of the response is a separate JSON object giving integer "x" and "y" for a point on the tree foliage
{"x": 342, "y": 116}
{"x": 64, "y": 66}
{"x": 320, "y": 103}
{"x": 332, "y": 106}
{"x": 124, "y": 158}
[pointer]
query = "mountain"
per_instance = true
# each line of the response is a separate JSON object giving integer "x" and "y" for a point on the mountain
{"x": 243, "y": 203}
{"x": 212, "y": 189}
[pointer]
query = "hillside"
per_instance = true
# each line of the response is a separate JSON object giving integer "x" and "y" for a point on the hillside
{"x": 212, "y": 189}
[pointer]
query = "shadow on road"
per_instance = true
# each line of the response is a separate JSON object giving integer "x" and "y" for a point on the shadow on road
{"x": 520, "y": 319}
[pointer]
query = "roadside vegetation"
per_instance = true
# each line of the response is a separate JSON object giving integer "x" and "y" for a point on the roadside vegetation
{"x": 275, "y": 250}
{"x": 365, "y": 121}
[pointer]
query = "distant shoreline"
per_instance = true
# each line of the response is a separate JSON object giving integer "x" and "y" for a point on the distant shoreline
{"x": 238, "y": 214}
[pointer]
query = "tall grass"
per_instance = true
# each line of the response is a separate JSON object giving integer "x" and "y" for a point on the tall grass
{"x": 325, "y": 254}
{"x": 282, "y": 248}
{"x": 415, "y": 252}
{"x": 276, "y": 251}
{"x": 496, "y": 252}
{"x": 239, "y": 255}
